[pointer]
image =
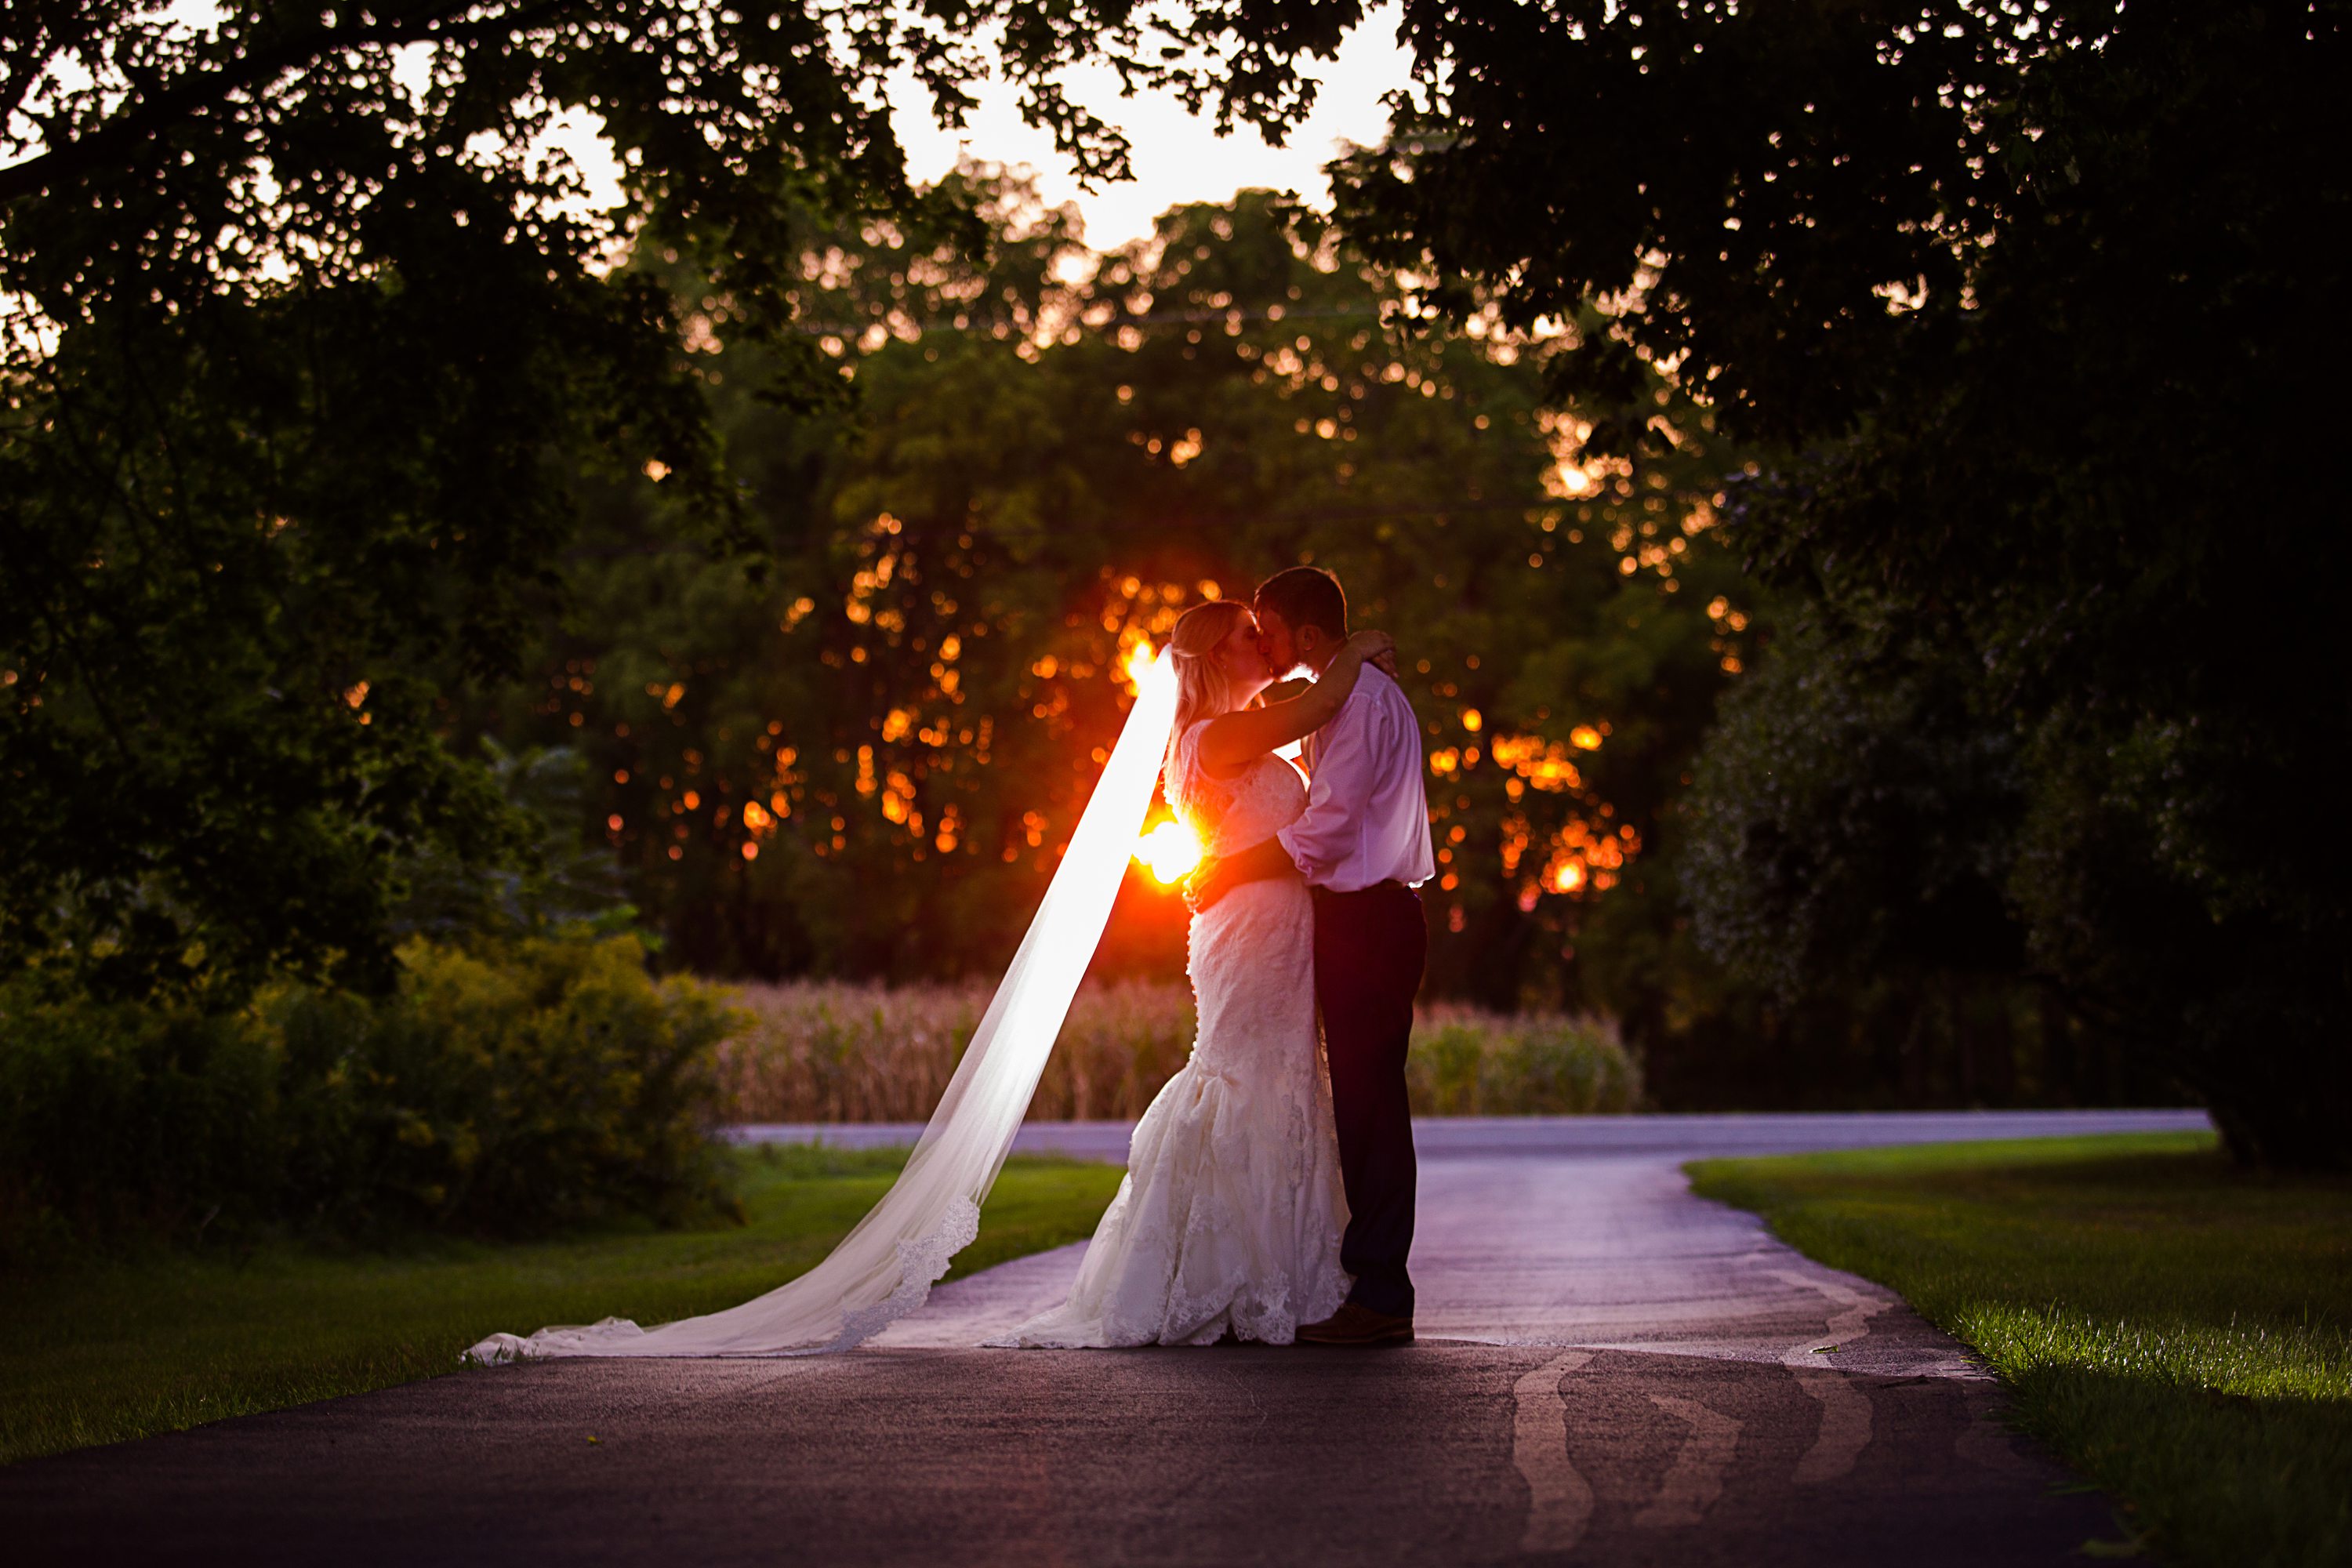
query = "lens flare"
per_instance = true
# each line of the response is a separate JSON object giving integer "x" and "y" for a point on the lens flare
{"x": 1170, "y": 850}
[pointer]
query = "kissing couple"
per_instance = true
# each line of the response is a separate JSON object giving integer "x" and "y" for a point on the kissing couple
{"x": 1269, "y": 1190}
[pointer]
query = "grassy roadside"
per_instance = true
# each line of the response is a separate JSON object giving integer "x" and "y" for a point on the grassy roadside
{"x": 2180, "y": 1331}
{"x": 105, "y": 1351}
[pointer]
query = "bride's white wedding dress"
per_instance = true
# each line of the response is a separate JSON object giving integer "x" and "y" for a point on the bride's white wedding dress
{"x": 1232, "y": 1209}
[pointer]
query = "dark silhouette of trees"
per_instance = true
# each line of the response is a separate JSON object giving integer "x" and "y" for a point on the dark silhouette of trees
{"x": 2038, "y": 306}
{"x": 308, "y": 336}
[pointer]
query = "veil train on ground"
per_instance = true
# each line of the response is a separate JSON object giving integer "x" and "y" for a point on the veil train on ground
{"x": 885, "y": 1269}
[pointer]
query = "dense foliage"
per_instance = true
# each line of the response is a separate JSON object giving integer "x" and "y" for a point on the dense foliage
{"x": 1848, "y": 845}
{"x": 863, "y": 763}
{"x": 2036, "y": 305}
{"x": 306, "y": 332}
{"x": 865, "y": 760}
{"x": 513, "y": 1089}
{"x": 789, "y": 526}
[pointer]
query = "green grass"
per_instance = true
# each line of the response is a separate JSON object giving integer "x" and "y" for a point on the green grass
{"x": 98, "y": 1351}
{"x": 2178, "y": 1330}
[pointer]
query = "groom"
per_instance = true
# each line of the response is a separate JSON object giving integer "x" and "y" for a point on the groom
{"x": 1363, "y": 847}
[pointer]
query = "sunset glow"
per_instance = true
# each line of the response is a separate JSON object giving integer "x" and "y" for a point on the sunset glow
{"x": 1170, "y": 850}
{"x": 1138, "y": 663}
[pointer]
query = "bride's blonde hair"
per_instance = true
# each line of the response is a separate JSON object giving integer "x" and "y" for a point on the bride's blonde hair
{"x": 1201, "y": 689}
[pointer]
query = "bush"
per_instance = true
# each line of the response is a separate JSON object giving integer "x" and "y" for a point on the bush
{"x": 1467, "y": 1062}
{"x": 508, "y": 1089}
{"x": 114, "y": 1117}
{"x": 830, "y": 1052}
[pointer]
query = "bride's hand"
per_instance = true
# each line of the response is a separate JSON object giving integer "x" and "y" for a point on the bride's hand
{"x": 1375, "y": 648}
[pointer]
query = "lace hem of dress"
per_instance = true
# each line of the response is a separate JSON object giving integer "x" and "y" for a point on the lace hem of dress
{"x": 1243, "y": 1296}
{"x": 1261, "y": 1311}
{"x": 921, "y": 1262}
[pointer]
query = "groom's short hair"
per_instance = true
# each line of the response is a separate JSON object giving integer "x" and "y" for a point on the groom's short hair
{"x": 1305, "y": 597}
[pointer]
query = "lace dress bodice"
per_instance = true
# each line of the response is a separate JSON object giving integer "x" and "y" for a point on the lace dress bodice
{"x": 1231, "y": 814}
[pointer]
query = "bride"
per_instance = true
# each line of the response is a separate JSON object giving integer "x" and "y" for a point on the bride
{"x": 1228, "y": 1222}
{"x": 1231, "y": 1214}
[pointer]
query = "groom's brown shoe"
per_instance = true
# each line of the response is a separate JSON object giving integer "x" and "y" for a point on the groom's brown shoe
{"x": 1354, "y": 1324}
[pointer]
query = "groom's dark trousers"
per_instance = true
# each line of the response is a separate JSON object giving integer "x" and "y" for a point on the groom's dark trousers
{"x": 1370, "y": 948}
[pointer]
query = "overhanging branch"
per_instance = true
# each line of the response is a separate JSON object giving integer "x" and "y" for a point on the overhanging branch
{"x": 115, "y": 143}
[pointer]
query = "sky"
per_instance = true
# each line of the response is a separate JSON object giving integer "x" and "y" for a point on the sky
{"x": 1177, "y": 158}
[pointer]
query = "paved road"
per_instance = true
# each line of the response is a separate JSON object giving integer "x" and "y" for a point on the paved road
{"x": 1612, "y": 1372}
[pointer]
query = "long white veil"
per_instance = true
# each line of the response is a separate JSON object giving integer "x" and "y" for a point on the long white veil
{"x": 883, "y": 1269}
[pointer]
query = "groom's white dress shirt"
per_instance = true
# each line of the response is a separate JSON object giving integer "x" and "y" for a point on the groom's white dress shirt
{"x": 1367, "y": 820}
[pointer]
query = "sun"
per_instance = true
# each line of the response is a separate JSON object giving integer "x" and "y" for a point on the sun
{"x": 1138, "y": 663}
{"x": 1170, "y": 850}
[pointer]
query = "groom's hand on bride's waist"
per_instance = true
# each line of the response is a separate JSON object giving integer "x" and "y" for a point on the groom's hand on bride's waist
{"x": 1217, "y": 877}
{"x": 1201, "y": 887}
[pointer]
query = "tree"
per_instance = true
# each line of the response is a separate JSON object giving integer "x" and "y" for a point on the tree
{"x": 309, "y": 339}
{"x": 865, "y": 760}
{"x": 2036, "y": 305}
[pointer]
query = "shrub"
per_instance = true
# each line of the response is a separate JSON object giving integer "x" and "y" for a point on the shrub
{"x": 1468, "y": 1062}
{"x": 117, "y": 1117}
{"x": 508, "y": 1089}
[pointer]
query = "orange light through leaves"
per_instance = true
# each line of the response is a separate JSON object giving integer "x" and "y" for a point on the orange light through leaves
{"x": 1170, "y": 850}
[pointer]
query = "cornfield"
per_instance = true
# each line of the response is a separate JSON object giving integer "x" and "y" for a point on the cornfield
{"x": 818, "y": 1051}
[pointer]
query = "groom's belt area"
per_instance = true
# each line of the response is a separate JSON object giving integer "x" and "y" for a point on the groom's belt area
{"x": 1391, "y": 884}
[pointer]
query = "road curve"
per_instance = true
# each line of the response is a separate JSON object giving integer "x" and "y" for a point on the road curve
{"x": 1612, "y": 1371}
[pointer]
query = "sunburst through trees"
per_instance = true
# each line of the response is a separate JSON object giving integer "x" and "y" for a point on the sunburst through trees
{"x": 867, "y": 760}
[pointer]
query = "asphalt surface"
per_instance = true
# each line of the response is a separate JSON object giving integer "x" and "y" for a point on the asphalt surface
{"x": 1611, "y": 1370}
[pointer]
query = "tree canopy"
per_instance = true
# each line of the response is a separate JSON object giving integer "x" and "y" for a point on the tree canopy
{"x": 2037, "y": 305}
{"x": 817, "y": 510}
{"x": 866, "y": 759}
{"x": 308, "y": 331}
